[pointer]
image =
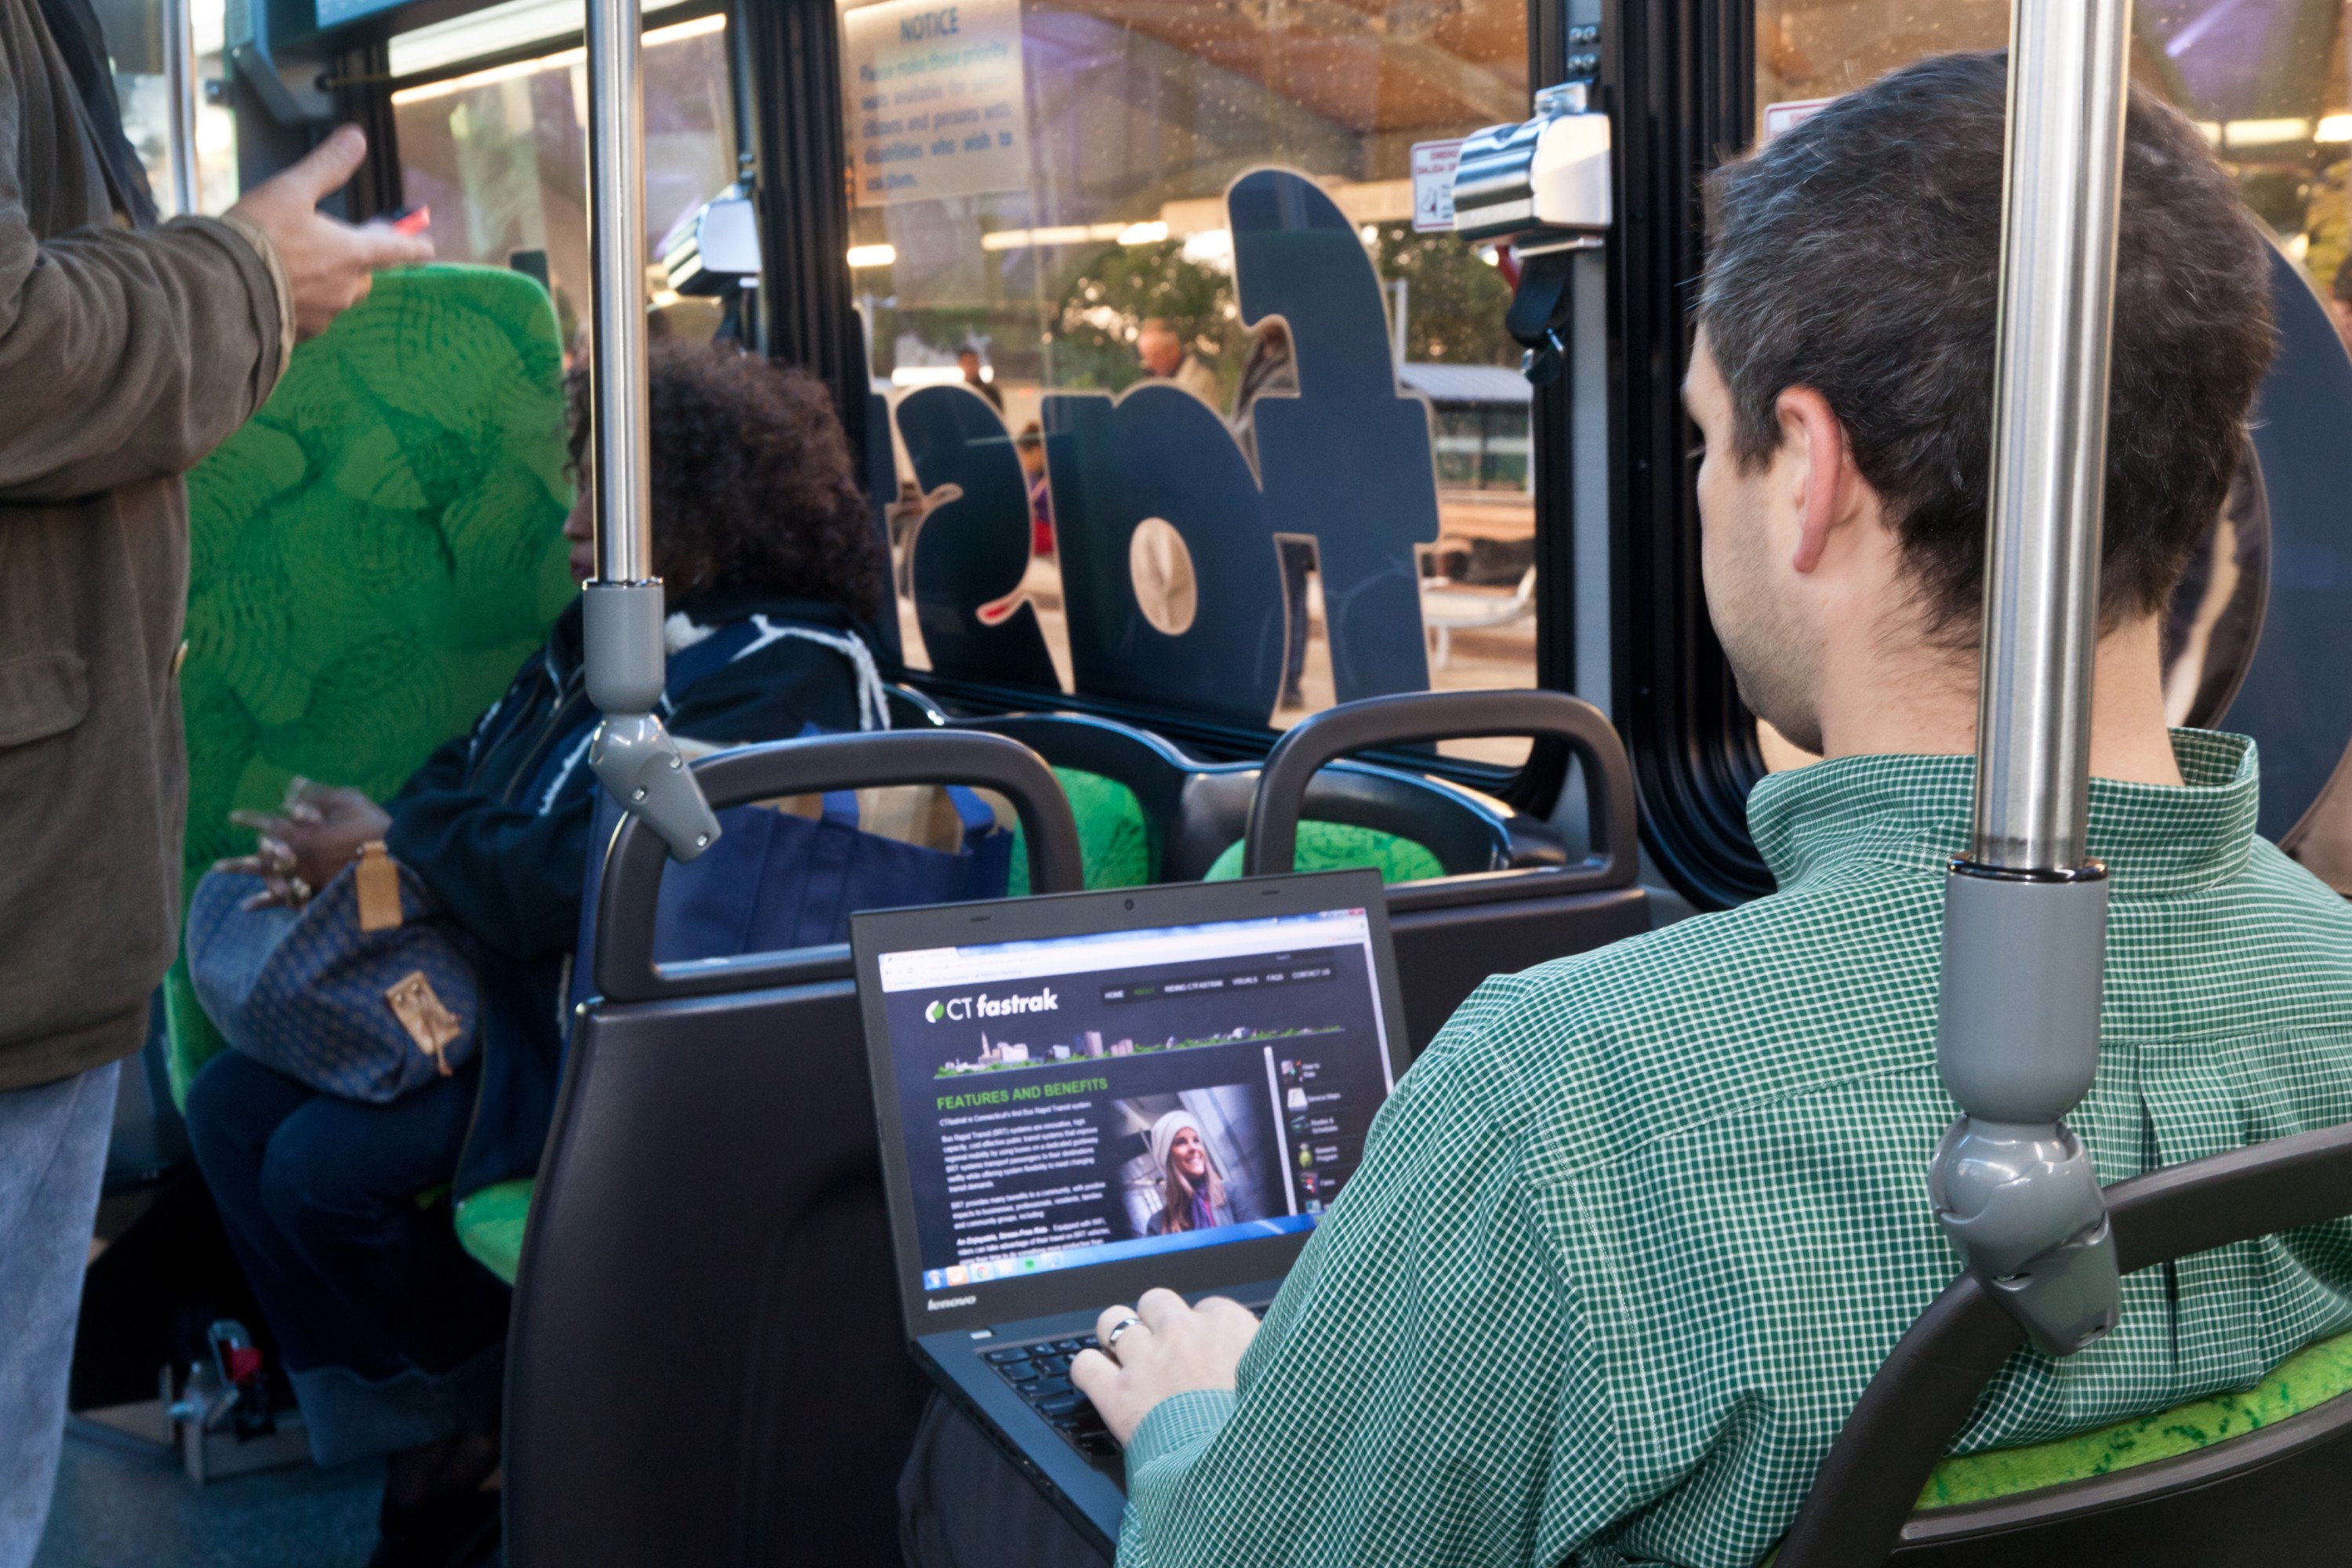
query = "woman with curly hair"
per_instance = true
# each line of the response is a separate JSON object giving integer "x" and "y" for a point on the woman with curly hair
{"x": 394, "y": 1338}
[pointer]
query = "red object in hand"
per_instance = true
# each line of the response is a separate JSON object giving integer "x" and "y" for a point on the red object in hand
{"x": 242, "y": 1363}
{"x": 414, "y": 222}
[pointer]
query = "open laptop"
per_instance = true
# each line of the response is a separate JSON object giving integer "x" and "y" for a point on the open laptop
{"x": 1049, "y": 1074}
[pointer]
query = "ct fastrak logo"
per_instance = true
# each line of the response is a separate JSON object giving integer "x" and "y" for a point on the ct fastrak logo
{"x": 964, "y": 1008}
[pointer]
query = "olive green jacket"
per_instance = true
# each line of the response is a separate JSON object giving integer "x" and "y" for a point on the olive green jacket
{"x": 125, "y": 357}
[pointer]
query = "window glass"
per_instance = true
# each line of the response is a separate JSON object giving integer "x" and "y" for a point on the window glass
{"x": 501, "y": 155}
{"x": 1044, "y": 185}
{"x": 2265, "y": 79}
{"x": 134, "y": 33}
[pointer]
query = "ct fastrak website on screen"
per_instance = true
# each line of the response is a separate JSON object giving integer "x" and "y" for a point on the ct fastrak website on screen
{"x": 1074, "y": 1102}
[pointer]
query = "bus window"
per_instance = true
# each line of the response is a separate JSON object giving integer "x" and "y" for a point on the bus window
{"x": 135, "y": 40}
{"x": 1098, "y": 208}
{"x": 2266, "y": 82}
{"x": 2265, "y": 79}
{"x": 501, "y": 154}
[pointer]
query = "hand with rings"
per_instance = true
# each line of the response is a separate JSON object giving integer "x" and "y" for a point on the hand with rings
{"x": 300, "y": 847}
{"x": 1161, "y": 1347}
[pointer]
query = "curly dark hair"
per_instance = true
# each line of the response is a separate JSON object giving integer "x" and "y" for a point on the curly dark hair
{"x": 1859, "y": 254}
{"x": 754, "y": 487}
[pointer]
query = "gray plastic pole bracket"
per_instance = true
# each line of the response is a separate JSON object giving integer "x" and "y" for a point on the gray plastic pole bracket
{"x": 2022, "y": 1204}
{"x": 631, "y": 755}
{"x": 635, "y": 757}
{"x": 620, "y": 645}
{"x": 2018, "y": 1045}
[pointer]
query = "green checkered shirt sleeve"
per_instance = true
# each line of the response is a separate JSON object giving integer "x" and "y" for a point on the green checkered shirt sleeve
{"x": 1423, "y": 1391}
{"x": 1632, "y": 1234}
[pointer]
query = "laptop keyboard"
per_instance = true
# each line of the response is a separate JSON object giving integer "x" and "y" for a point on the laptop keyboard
{"x": 1040, "y": 1373}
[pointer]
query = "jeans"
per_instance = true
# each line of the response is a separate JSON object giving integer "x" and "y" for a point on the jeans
{"x": 392, "y": 1335}
{"x": 963, "y": 1505}
{"x": 1298, "y": 558}
{"x": 52, "y": 1157}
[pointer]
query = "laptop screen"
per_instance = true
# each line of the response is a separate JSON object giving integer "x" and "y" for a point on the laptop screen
{"x": 1067, "y": 1102}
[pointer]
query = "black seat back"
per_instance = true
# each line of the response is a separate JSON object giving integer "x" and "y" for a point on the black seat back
{"x": 911, "y": 709}
{"x": 1197, "y": 810}
{"x": 1154, "y": 770}
{"x": 706, "y": 1362}
{"x": 2275, "y": 1496}
{"x": 1454, "y": 932}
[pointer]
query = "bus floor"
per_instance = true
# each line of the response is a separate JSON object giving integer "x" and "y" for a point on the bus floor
{"x": 126, "y": 1507}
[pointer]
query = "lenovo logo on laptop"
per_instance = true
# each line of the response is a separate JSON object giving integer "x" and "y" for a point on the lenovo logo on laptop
{"x": 948, "y": 1303}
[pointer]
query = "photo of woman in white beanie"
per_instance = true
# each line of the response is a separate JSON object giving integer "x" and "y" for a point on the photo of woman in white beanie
{"x": 1192, "y": 1193}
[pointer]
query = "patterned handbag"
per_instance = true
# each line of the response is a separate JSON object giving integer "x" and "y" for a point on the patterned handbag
{"x": 360, "y": 1013}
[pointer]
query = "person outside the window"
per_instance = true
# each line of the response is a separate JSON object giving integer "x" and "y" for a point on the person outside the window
{"x": 128, "y": 350}
{"x": 1163, "y": 354}
{"x": 1029, "y": 447}
{"x": 1637, "y": 1228}
{"x": 394, "y": 1336}
{"x": 968, "y": 362}
{"x": 1192, "y": 1193}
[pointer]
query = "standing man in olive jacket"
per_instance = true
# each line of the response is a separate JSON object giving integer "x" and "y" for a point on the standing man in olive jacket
{"x": 127, "y": 351}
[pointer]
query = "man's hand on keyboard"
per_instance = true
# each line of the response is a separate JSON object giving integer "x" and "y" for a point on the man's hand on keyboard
{"x": 1175, "y": 1348}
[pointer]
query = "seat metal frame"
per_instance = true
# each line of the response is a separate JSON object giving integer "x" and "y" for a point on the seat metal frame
{"x": 1452, "y": 933}
{"x": 1198, "y": 809}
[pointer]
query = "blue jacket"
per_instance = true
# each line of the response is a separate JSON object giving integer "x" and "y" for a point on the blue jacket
{"x": 496, "y": 823}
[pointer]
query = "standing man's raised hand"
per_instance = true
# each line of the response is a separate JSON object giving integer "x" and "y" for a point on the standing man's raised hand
{"x": 330, "y": 265}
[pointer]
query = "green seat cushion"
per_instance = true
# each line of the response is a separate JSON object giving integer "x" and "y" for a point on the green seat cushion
{"x": 2309, "y": 1378}
{"x": 1337, "y": 846}
{"x": 2305, "y": 1381}
{"x": 1115, "y": 844}
{"x": 372, "y": 556}
{"x": 489, "y": 1225}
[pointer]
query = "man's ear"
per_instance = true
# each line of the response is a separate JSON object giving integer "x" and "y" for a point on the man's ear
{"x": 1825, "y": 473}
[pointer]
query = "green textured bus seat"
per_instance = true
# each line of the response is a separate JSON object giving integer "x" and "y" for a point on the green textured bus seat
{"x": 489, "y": 1225}
{"x": 1340, "y": 846}
{"x": 1114, "y": 835}
{"x": 2305, "y": 1381}
{"x": 372, "y": 555}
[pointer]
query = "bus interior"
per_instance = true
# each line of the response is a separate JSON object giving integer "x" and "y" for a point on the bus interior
{"x": 980, "y": 262}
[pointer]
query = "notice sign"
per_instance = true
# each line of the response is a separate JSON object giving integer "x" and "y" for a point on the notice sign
{"x": 934, "y": 89}
{"x": 1432, "y": 185}
{"x": 1788, "y": 116}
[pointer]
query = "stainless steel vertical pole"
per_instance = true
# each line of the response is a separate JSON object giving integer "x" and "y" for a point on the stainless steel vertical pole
{"x": 2050, "y": 430}
{"x": 180, "y": 93}
{"x": 2025, "y": 915}
{"x": 616, "y": 162}
{"x": 632, "y": 754}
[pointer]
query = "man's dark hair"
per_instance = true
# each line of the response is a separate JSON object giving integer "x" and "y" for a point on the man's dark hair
{"x": 1859, "y": 254}
{"x": 753, "y": 488}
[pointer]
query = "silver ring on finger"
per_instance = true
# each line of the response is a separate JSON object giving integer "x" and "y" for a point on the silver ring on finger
{"x": 1110, "y": 1340}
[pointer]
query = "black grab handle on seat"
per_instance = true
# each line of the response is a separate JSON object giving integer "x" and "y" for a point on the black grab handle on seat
{"x": 1271, "y": 842}
{"x": 626, "y": 970}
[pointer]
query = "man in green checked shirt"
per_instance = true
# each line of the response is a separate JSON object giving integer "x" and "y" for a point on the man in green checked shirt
{"x": 1634, "y": 1232}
